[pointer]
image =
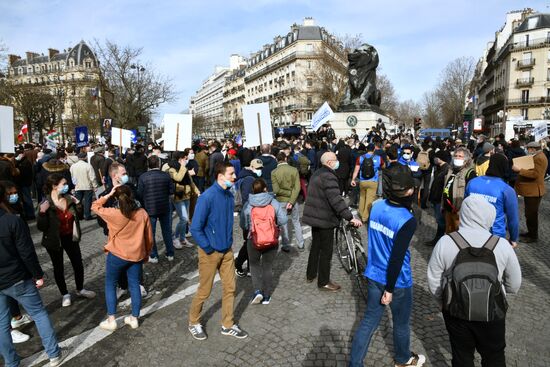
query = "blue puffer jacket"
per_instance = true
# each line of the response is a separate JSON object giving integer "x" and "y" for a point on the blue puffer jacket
{"x": 154, "y": 190}
{"x": 212, "y": 225}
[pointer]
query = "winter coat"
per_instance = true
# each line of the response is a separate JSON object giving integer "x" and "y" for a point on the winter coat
{"x": 154, "y": 190}
{"x": 285, "y": 181}
{"x": 48, "y": 222}
{"x": 25, "y": 173}
{"x": 512, "y": 153}
{"x": 50, "y": 167}
{"x": 97, "y": 161}
{"x": 343, "y": 152}
{"x": 84, "y": 177}
{"x": 324, "y": 205}
{"x": 184, "y": 186}
{"x": 530, "y": 182}
{"x": 202, "y": 159}
{"x": 260, "y": 200}
{"x": 436, "y": 191}
{"x": 216, "y": 157}
{"x": 270, "y": 163}
{"x": 136, "y": 164}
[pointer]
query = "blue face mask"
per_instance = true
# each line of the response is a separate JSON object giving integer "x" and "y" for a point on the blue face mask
{"x": 228, "y": 184}
{"x": 124, "y": 179}
{"x": 258, "y": 172}
{"x": 13, "y": 198}
{"x": 336, "y": 166}
{"x": 64, "y": 189}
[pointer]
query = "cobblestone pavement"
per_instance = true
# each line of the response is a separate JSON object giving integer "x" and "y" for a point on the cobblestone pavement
{"x": 301, "y": 327}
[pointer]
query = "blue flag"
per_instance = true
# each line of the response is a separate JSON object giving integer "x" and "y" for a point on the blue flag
{"x": 81, "y": 134}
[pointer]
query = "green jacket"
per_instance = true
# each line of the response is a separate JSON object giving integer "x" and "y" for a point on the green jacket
{"x": 286, "y": 183}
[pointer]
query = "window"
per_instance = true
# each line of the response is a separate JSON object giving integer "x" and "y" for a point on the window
{"x": 547, "y": 92}
{"x": 309, "y": 47}
{"x": 309, "y": 82}
{"x": 525, "y": 96}
{"x": 525, "y": 113}
{"x": 548, "y": 74}
{"x": 309, "y": 116}
{"x": 309, "y": 101}
{"x": 309, "y": 64}
{"x": 526, "y": 40}
{"x": 88, "y": 64}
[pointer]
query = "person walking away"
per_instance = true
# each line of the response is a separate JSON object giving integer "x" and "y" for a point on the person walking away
{"x": 455, "y": 184}
{"x": 442, "y": 166}
{"x": 286, "y": 187}
{"x": 389, "y": 275}
{"x": 59, "y": 221}
{"x": 498, "y": 193}
{"x": 24, "y": 183}
{"x": 425, "y": 160}
{"x": 234, "y": 160}
{"x": 323, "y": 209}
{"x": 202, "y": 159}
{"x": 136, "y": 163}
{"x": 514, "y": 151}
{"x": 479, "y": 329}
{"x": 482, "y": 161}
{"x": 263, "y": 216}
{"x": 97, "y": 161}
{"x": 212, "y": 229}
{"x": 84, "y": 179}
{"x": 154, "y": 191}
{"x": 343, "y": 152}
{"x": 530, "y": 185}
{"x": 303, "y": 165}
{"x": 367, "y": 170}
{"x": 215, "y": 157}
{"x": 269, "y": 164}
{"x": 128, "y": 246}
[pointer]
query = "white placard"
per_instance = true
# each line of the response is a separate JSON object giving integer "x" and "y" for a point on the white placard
{"x": 257, "y": 124}
{"x": 478, "y": 124}
{"x": 323, "y": 114}
{"x": 177, "y": 131}
{"x": 509, "y": 133}
{"x": 540, "y": 129}
{"x": 90, "y": 155}
{"x": 6, "y": 129}
{"x": 121, "y": 137}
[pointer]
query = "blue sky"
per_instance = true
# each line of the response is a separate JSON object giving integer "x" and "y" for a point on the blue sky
{"x": 186, "y": 39}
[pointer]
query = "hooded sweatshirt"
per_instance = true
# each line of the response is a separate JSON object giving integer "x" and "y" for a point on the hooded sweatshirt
{"x": 476, "y": 218}
{"x": 260, "y": 200}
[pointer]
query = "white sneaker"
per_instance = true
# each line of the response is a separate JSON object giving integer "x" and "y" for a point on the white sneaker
{"x": 153, "y": 260}
{"x": 66, "y": 302}
{"x": 56, "y": 361}
{"x": 188, "y": 235}
{"x": 18, "y": 337}
{"x": 108, "y": 325}
{"x": 143, "y": 291}
{"x": 416, "y": 360}
{"x": 132, "y": 322}
{"x": 86, "y": 293}
{"x": 187, "y": 244}
{"x": 177, "y": 244}
{"x": 25, "y": 319}
{"x": 170, "y": 258}
{"x": 120, "y": 292}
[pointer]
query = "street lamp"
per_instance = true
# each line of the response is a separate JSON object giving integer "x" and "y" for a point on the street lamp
{"x": 140, "y": 69}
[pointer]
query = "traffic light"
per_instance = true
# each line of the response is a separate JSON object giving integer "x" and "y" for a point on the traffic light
{"x": 417, "y": 123}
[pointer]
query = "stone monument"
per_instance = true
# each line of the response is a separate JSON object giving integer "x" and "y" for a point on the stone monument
{"x": 360, "y": 108}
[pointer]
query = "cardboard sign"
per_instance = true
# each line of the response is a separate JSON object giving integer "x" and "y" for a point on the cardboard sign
{"x": 81, "y": 135}
{"x": 525, "y": 162}
{"x": 178, "y": 130}
{"x": 540, "y": 129}
{"x": 257, "y": 124}
{"x": 121, "y": 137}
{"x": 323, "y": 114}
{"x": 6, "y": 129}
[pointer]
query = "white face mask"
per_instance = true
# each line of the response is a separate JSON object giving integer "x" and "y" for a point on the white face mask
{"x": 191, "y": 156}
{"x": 407, "y": 156}
{"x": 258, "y": 172}
{"x": 457, "y": 162}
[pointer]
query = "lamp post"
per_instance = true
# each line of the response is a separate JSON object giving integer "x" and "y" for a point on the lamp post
{"x": 140, "y": 69}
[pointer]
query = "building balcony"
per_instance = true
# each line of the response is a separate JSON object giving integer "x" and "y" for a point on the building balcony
{"x": 527, "y": 63}
{"x": 533, "y": 101}
{"x": 300, "y": 106}
{"x": 525, "y": 82}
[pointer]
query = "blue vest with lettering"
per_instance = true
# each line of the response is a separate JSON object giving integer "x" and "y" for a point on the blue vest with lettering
{"x": 385, "y": 221}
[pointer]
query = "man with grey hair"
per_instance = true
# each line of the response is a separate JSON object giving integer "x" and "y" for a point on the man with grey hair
{"x": 455, "y": 186}
{"x": 323, "y": 209}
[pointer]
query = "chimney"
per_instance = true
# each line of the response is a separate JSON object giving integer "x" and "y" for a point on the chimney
{"x": 52, "y": 52}
{"x": 309, "y": 22}
{"x": 13, "y": 58}
{"x": 31, "y": 55}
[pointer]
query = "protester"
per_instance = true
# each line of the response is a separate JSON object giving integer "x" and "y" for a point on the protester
{"x": 269, "y": 164}
{"x": 514, "y": 151}
{"x": 24, "y": 183}
{"x": 128, "y": 247}
{"x": 261, "y": 260}
{"x": 367, "y": 169}
{"x": 202, "y": 159}
{"x": 389, "y": 275}
{"x": 323, "y": 209}
{"x": 97, "y": 161}
{"x": 482, "y": 161}
{"x": 215, "y": 157}
{"x": 441, "y": 163}
{"x": 487, "y": 337}
{"x": 59, "y": 219}
{"x": 530, "y": 185}
{"x": 85, "y": 182}
{"x": 212, "y": 229}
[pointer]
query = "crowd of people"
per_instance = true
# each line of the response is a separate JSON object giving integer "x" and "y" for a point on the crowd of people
{"x": 472, "y": 188}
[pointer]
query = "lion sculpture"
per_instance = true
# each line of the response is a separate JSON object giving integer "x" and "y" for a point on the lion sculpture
{"x": 362, "y": 91}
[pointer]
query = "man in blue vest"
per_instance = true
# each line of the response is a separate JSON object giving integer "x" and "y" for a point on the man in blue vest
{"x": 367, "y": 186}
{"x": 389, "y": 275}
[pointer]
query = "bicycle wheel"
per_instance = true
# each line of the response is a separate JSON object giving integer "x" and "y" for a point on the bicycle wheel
{"x": 343, "y": 249}
{"x": 360, "y": 266}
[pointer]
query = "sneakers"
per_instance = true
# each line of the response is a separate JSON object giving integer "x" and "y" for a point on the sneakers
{"x": 257, "y": 298}
{"x": 66, "y": 301}
{"x": 187, "y": 244}
{"x": 285, "y": 248}
{"x": 188, "y": 235}
{"x": 153, "y": 260}
{"x": 170, "y": 258}
{"x": 177, "y": 244}
{"x": 240, "y": 273}
{"x": 56, "y": 361}
{"x": 18, "y": 337}
{"x": 197, "y": 332}
{"x": 131, "y": 321}
{"x": 266, "y": 300}
{"x": 25, "y": 319}
{"x": 143, "y": 291}
{"x": 235, "y": 331}
{"x": 120, "y": 292}
{"x": 416, "y": 360}
{"x": 109, "y": 325}
{"x": 85, "y": 293}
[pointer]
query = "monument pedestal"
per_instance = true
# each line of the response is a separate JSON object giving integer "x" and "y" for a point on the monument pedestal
{"x": 361, "y": 121}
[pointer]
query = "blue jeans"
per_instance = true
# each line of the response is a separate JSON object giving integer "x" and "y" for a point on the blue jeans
{"x": 400, "y": 306}
{"x": 182, "y": 209}
{"x": 26, "y": 197}
{"x": 114, "y": 267}
{"x": 166, "y": 228}
{"x": 27, "y": 295}
{"x": 86, "y": 197}
{"x": 295, "y": 217}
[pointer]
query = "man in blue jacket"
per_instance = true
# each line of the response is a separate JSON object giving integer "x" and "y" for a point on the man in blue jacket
{"x": 212, "y": 229}
{"x": 498, "y": 193}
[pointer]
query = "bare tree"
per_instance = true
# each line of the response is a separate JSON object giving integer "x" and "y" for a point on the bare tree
{"x": 130, "y": 91}
{"x": 453, "y": 89}
{"x": 390, "y": 102}
{"x": 431, "y": 110}
{"x": 407, "y": 111}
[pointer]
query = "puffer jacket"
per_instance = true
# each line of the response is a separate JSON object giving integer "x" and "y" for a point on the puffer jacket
{"x": 324, "y": 205}
{"x": 154, "y": 190}
{"x": 48, "y": 222}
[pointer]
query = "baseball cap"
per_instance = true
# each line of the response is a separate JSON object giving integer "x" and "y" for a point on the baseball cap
{"x": 256, "y": 164}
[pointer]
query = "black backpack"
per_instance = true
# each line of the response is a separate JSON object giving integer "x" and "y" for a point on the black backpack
{"x": 471, "y": 289}
{"x": 367, "y": 168}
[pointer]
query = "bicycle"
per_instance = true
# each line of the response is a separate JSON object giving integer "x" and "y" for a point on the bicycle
{"x": 351, "y": 253}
